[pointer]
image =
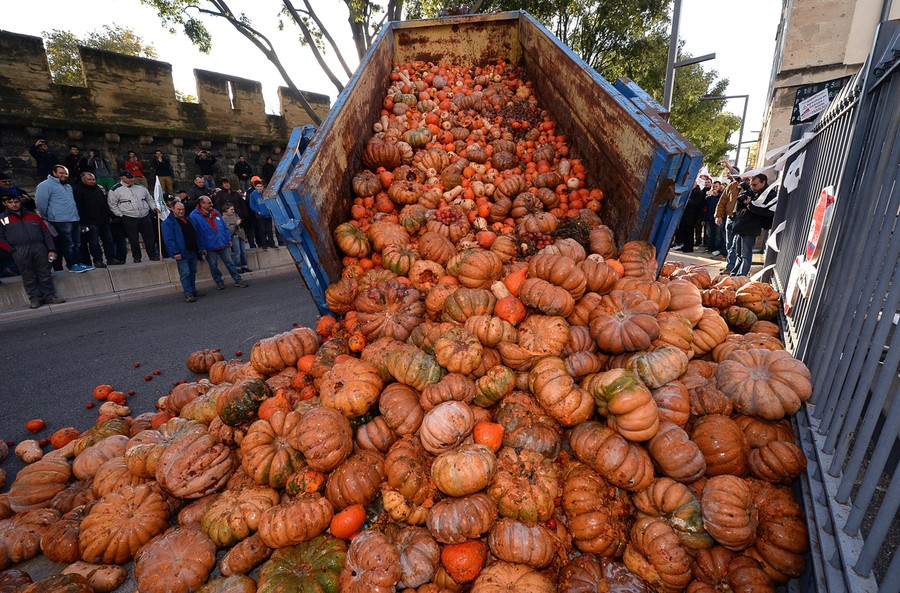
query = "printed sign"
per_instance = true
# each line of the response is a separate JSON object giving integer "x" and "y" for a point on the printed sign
{"x": 819, "y": 225}
{"x": 808, "y": 91}
{"x": 814, "y": 105}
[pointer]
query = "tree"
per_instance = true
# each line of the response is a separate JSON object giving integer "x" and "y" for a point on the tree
{"x": 65, "y": 62}
{"x": 365, "y": 18}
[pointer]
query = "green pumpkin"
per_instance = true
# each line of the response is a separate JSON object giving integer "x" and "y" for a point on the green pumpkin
{"x": 414, "y": 367}
{"x": 240, "y": 402}
{"x": 659, "y": 366}
{"x": 236, "y": 583}
{"x": 739, "y": 319}
{"x": 468, "y": 302}
{"x": 496, "y": 383}
{"x": 98, "y": 432}
{"x": 311, "y": 567}
{"x": 203, "y": 407}
{"x": 407, "y": 98}
{"x": 417, "y": 138}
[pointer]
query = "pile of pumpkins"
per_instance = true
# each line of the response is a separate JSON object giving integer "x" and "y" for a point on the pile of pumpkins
{"x": 505, "y": 400}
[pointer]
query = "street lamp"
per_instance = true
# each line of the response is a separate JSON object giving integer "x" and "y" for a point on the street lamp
{"x": 743, "y": 117}
{"x": 671, "y": 64}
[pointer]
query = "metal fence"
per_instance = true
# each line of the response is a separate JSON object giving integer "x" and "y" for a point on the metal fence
{"x": 844, "y": 328}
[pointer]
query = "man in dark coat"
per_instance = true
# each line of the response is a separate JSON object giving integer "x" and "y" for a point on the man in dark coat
{"x": 228, "y": 196}
{"x": 207, "y": 164}
{"x": 43, "y": 158}
{"x": 244, "y": 172}
{"x": 76, "y": 163}
{"x": 197, "y": 191}
{"x": 754, "y": 212}
{"x": 692, "y": 210}
{"x": 180, "y": 239}
{"x": 93, "y": 208}
{"x": 163, "y": 169}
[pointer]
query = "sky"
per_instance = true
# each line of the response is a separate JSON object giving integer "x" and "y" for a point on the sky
{"x": 743, "y": 56}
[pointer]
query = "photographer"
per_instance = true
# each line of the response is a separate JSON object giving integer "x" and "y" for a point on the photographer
{"x": 754, "y": 212}
{"x": 44, "y": 159}
{"x": 207, "y": 164}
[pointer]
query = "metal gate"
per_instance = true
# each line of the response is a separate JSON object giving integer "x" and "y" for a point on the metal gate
{"x": 843, "y": 326}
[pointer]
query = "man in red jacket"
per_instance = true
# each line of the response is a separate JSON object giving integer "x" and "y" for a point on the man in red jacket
{"x": 25, "y": 236}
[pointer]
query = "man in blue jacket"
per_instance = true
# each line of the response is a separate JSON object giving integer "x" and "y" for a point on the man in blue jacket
{"x": 181, "y": 240}
{"x": 56, "y": 204}
{"x": 214, "y": 242}
{"x": 264, "y": 237}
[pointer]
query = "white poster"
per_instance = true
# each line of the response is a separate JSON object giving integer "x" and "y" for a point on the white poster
{"x": 813, "y": 106}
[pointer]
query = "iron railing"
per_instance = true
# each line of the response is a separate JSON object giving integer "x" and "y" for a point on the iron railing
{"x": 844, "y": 328}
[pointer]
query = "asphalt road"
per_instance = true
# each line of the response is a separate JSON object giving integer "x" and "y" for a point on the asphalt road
{"x": 49, "y": 366}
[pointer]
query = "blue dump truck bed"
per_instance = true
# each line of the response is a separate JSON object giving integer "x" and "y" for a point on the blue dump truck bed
{"x": 645, "y": 167}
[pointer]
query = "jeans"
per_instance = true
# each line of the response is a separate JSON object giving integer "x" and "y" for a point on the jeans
{"x": 212, "y": 258}
{"x": 98, "y": 233}
{"x": 239, "y": 251}
{"x": 744, "y": 246}
{"x": 729, "y": 243}
{"x": 245, "y": 185}
{"x": 69, "y": 241}
{"x": 264, "y": 236}
{"x": 187, "y": 273}
{"x": 713, "y": 235}
{"x": 210, "y": 182}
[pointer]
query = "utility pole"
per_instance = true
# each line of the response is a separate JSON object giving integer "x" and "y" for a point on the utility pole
{"x": 673, "y": 53}
{"x": 737, "y": 155}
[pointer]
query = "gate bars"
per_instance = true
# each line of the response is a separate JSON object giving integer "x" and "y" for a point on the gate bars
{"x": 845, "y": 330}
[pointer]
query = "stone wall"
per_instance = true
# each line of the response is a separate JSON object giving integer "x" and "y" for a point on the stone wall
{"x": 129, "y": 103}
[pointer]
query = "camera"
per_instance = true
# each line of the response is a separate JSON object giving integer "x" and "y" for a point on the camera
{"x": 744, "y": 186}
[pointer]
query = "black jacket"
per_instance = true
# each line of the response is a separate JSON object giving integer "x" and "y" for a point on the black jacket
{"x": 268, "y": 171}
{"x": 45, "y": 161}
{"x": 162, "y": 168}
{"x": 207, "y": 165}
{"x": 194, "y": 195}
{"x": 76, "y": 164}
{"x": 231, "y": 197}
{"x": 92, "y": 204}
{"x": 243, "y": 170}
{"x": 749, "y": 218}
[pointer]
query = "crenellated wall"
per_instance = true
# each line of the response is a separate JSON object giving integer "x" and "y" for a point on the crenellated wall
{"x": 128, "y": 103}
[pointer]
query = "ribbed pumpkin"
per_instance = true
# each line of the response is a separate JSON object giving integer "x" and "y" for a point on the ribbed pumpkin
{"x": 765, "y": 383}
{"x": 676, "y": 455}
{"x": 351, "y": 387}
{"x": 314, "y": 565}
{"x": 522, "y": 543}
{"x": 372, "y": 564}
{"x": 596, "y": 511}
{"x": 199, "y": 362}
{"x": 686, "y": 300}
{"x": 675, "y": 504}
{"x": 722, "y": 444}
{"x": 455, "y": 520}
{"x": 673, "y": 402}
{"x": 458, "y": 351}
{"x": 446, "y": 426}
{"x": 352, "y": 240}
{"x": 619, "y": 461}
{"x": 120, "y": 523}
{"x": 525, "y": 485}
{"x": 296, "y": 521}
{"x": 465, "y": 470}
{"x": 760, "y": 298}
{"x": 271, "y": 355}
{"x": 738, "y": 318}
{"x": 660, "y": 365}
{"x": 266, "y": 455}
{"x": 235, "y": 514}
{"x": 558, "y": 393}
{"x": 657, "y": 557}
{"x": 729, "y": 512}
{"x": 411, "y": 366}
{"x": 626, "y": 402}
{"x": 178, "y": 561}
{"x": 624, "y": 321}
{"x": 36, "y": 484}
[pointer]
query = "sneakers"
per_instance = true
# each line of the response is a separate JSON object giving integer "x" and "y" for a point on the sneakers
{"x": 99, "y": 264}
{"x": 80, "y": 268}
{"x": 53, "y": 300}
{"x": 725, "y": 270}
{"x": 716, "y": 253}
{"x": 241, "y": 284}
{"x": 115, "y": 262}
{"x": 34, "y": 304}
{"x": 220, "y": 287}
{"x": 137, "y": 260}
{"x": 199, "y": 294}
{"x": 190, "y": 299}
{"x": 244, "y": 270}
{"x": 154, "y": 258}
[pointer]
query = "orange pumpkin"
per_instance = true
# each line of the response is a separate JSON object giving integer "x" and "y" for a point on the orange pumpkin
{"x": 464, "y": 561}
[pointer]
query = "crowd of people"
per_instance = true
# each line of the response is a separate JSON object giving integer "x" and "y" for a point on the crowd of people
{"x": 727, "y": 218}
{"x": 87, "y": 213}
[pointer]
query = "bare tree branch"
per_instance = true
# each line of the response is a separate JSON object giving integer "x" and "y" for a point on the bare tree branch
{"x": 337, "y": 52}
{"x": 307, "y": 34}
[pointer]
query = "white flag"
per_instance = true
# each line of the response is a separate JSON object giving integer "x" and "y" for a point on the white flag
{"x": 160, "y": 201}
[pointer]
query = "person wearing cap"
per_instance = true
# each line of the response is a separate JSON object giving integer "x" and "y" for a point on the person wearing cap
{"x": 244, "y": 172}
{"x": 163, "y": 169}
{"x": 93, "y": 208}
{"x": 264, "y": 236}
{"x": 56, "y": 204}
{"x": 180, "y": 240}
{"x": 7, "y": 187}
{"x": 25, "y": 236}
{"x": 725, "y": 214}
{"x": 133, "y": 204}
{"x": 214, "y": 242}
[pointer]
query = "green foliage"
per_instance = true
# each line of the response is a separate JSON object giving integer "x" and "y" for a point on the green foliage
{"x": 65, "y": 62}
{"x": 185, "y": 97}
